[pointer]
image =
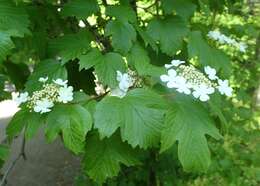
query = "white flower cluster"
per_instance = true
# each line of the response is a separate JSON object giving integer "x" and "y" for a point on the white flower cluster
{"x": 125, "y": 81}
{"x": 188, "y": 80}
{"x": 223, "y": 39}
{"x": 43, "y": 100}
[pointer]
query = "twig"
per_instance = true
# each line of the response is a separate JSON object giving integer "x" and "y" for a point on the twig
{"x": 23, "y": 148}
{"x": 90, "y": 99}
{"x": 148, "y": 7}
{"x": 157, "y": 7}
{"x": 169, "y": 95}
{"x": 99, "y": 96}
{"x": 10, "y": 168}
{"x": 98, "y": 39}
{"x": 3, "y": 181}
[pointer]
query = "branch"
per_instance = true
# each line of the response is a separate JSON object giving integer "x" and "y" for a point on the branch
{"x": 98, "y": 97}
{"x": 104, "y": 45}
{"x": 10, "y": 168}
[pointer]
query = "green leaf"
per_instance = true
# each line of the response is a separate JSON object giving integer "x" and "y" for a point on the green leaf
{"x": 188, "y": 122}
{"x": 147, "y": 38}
{"x": 105, "y": 65}
{"x": 36, "y": 121}
{"x": 217, "y": 108}
{"x": 92, "y": 58}
{"x": 139, "y": 115}
{"x": 198, "y": 47}
{"x": 183, "y": 8}
{"x": 18, "y": 73}
{"x": 80, "y": 8}
{"x": 6, "y": 44}
{"x": 70, "y": 46}
{"x": 13, "y": 19}
{"x": 108, "y": 116}
{"x": 169, "y": 33}
{"x": 73, "y": 121}
{"x": 24, "y": 118}
{"x": 17, "y": 123}
{"x": 123, "y": 35}
{"x": 103, "y": 158}
{"x": 138, "y": 57}
{"x": 4, "y": 152}
{"x": 121, "y": 13}
{"x": 106, "y": 71}
{"x": 50, "y": 68}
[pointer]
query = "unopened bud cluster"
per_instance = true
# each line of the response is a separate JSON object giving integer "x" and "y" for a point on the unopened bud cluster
{"x": 193, "y": 76}
{"x": 188, "y": 80}
{"x": 137, "y": 81}
{"x": 43, "y": 100}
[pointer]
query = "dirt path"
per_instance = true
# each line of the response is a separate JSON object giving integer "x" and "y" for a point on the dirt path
{"x": 47, "y": 164}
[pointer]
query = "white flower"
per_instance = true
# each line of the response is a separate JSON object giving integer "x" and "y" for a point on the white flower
{"x": 125, "y": 81}
{"x": 170, "y": 78}
{"x": 174, "y": 63}
{"x": 43, "y": 106}
{"x": 215, "y": 35}
{"x": 43, "y": 80}
{"x": 65, "y": 94}
{"x": 224, "y": 88}
{"x": 211, "y": 72}
{"x": 222, "y": 39}
{"x": 61, "y": 82}
{"x": 242, "y": 47}
{"x": 202, "y": 92}
{"x": 81, "y": 24}
{"x": 182, "y": 86}
{"x": 118, "y": 92}
{"x": 20, "y": 98}
{"x": 230, "y": 41}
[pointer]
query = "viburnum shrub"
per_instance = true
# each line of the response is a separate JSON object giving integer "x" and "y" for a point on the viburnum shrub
{"x": 123, "y": 82}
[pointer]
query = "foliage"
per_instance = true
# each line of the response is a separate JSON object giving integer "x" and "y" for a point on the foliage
{"x": 150, "y": 135}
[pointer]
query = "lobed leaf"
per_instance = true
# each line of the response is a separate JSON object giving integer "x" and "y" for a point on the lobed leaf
{"x": 47, "y": 68}
{"x": 198, "y": 47}
{"x": 31, "y": 121}
{"x": 13, "y": 19}
{"x": 103, "y": 157}
{"x": 139, "y": 115}
{"x": 73, "y": 121}
{"x": 70, "y": 46}
{"x": 138, "y": 57}
{"x": 183, "y": 8}
{"x": 82, "y": 9}
{"x": 121, "y": 13}
{"x": 123, "y": 35}
{"x": 6, "y": 44}
{"x": 169, "y": 32}
{"x": 188, "y": 122}
{"x": 92, "y": 58}
{"x": 106, "y": 70}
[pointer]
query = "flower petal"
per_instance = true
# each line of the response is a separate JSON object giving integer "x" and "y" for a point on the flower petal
{"x": 164, "y": 78}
